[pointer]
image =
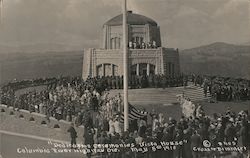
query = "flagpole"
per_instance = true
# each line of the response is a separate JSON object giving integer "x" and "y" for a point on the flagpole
{"x": 125, "y": 66}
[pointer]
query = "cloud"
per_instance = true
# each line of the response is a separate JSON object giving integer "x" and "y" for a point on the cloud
{"x": 183, "y": 23}
{"x": 232, "y": 6}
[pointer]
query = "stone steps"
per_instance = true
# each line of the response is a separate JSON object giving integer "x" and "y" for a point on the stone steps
{"x": 162, "y": 96}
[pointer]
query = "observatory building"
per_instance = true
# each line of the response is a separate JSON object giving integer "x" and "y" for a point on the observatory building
{"x": 146, "y": 56}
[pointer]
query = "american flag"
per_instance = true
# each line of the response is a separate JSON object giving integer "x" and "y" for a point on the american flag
{"x": 134, "y": 113}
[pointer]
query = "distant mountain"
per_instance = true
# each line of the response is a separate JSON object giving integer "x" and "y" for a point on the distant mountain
{"x": 217, "y": 59}
{"x": 246, "y": 43}
{"x": 219, "y": 48}
{"x": 40, "y": 64}
{"x": 34, "y": 61}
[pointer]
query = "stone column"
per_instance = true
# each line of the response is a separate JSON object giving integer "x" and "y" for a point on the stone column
{"x": 147, "y": 34}
{"x": 148, "y": 69}
{"x": 103, "y": 70}
{"x": 156, "y": 71}
{"x": 105, "y": 37}
{"x": 138, "y": 69}
{"x": 112, "y": 69}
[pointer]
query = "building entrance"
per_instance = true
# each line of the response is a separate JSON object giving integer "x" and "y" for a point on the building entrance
{"x": 142, "y": 69}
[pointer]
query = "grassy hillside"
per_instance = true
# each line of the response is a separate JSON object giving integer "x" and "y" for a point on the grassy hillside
{"x": 217, "y": 59}
{"x": 35, "y": 65}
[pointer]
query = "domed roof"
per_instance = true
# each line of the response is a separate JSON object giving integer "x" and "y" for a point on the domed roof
{"x": 133, "y": 19}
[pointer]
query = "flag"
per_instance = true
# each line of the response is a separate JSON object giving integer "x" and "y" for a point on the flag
{"x": 134, "y": 114}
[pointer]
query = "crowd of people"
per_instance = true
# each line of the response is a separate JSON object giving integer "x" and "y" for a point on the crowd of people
{"x": 224, "y": 88}
{"x": 77, "y": 87}
{"x": 225, "y": 130}
{"x": 157, "y": 81}
{"x": 142, "y": 45}
{"x": 66, "y": 98}
{"x": 16, "y": 84}
{"x": 88, "y": 103}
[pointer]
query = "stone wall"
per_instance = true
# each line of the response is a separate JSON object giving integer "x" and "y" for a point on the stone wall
{"x": 171, "y": 56}
{"x": 24, "y": 122}
{"x": 160, "y": 57}
{"x": 148, "y": 32}
{"x": 86, "y": 67}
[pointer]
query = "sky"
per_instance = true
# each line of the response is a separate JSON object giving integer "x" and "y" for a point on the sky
{"x": 183, "y": 23}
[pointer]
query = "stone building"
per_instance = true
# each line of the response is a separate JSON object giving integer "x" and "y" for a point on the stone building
{"x": 146, "y": 54}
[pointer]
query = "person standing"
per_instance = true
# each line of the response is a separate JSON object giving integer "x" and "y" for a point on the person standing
{"x": 73, "y": 135}
{"x": 142, "y": 127}
{"x": 230, "y": 131}
{"x": 155, "y": 122}
{"x": 195, "y": 142}
{"x": 164, "y": 81}
{"x": 111, "y": 126}
{"x": 117, "y": 125}
{"x": 89, "y": 139}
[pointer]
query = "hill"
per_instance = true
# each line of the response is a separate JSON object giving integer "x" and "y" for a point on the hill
{"x": 214, "y": 59}
{"x": 41, "y": 64}
{"x": 217, "y": 59}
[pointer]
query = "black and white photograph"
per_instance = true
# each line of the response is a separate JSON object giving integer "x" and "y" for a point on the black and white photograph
{"x": 124, "y": 78}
